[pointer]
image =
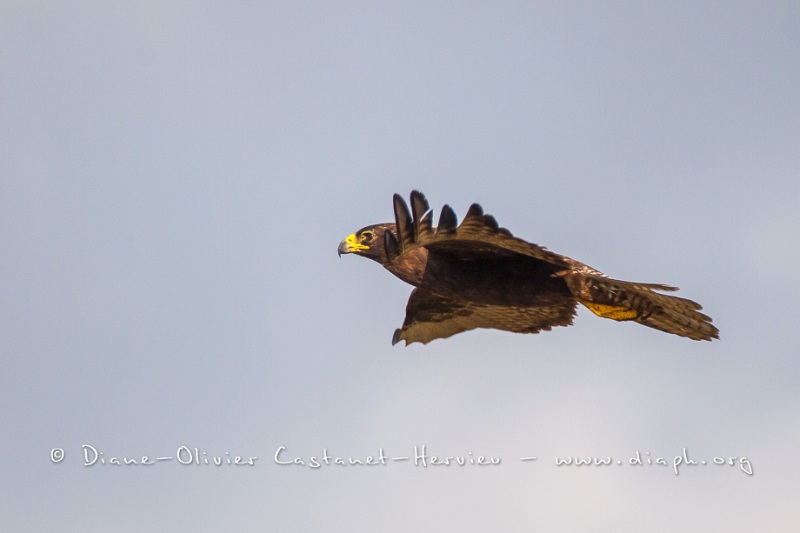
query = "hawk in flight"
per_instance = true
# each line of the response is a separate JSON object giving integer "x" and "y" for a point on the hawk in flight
{"x": 478, "y": 275}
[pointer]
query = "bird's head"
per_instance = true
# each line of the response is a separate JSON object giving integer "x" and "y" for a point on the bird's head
{"x": 367, "y": 242}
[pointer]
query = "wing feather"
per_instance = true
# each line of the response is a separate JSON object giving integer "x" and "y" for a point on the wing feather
{"x": 403, "y": 221}
{"x": 447, "y": 221}
{"x": 477, "y": 235}
{"x": 429, "y": 317}
{"x": 421, "y": 215}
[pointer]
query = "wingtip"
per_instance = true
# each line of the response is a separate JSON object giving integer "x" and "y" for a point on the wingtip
{"x": 447, "y": 220}
{"x": 402, "y": 218}
{"x": 474, "y": 211}
{"x": 417, "y": 194}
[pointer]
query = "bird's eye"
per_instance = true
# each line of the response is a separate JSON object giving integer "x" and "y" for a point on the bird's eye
{"x": 367, "y": 235}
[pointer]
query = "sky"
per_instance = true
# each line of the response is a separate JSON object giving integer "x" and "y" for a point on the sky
{"x": 175, "y": 178}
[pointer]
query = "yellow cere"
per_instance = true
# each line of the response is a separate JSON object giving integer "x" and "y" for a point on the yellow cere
{"x": 615, "y": 312}
{"x": 353, "y": 244}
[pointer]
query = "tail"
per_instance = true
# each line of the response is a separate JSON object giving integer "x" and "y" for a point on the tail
{"x": 624, "y": 300}
{"x": 679, "y": 316}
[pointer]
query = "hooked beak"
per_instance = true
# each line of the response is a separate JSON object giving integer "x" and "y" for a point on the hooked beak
{"x": 350, "y": 245}
{"x": 343, "y": 248}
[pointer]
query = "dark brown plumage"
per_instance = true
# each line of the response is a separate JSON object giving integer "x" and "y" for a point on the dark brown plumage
{"x": 478, "y": 275}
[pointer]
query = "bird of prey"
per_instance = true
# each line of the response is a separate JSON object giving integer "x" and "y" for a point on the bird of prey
{"x": 478, "y": 275}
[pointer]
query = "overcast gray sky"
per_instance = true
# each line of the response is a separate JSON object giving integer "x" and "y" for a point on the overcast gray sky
{"x": 175, "y": 178}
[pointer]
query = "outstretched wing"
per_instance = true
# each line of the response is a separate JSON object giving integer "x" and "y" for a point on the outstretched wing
{"x": 429, "y": 317}
{"x": 477, "y": 236}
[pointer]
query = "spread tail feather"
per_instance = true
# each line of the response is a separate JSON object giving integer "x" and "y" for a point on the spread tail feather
{"x": 624, "y": 300}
